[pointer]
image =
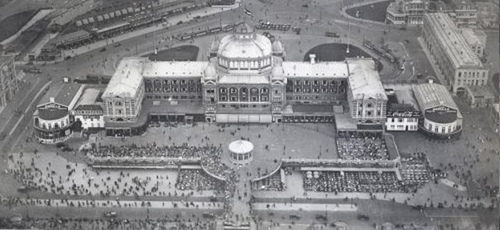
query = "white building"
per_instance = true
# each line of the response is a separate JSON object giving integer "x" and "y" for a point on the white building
{"x": 52, "y": 119}
{"x": 407, "y": 12}
{"x": 441, "y": 116}
{"x": 246, "y": 80}
{"x": 402, "y": 112}
{"x": 456, "y": 61}
{"x": 88, "y": 111}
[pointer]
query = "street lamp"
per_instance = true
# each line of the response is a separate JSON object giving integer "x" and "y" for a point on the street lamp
{"x": 348, "y": 34}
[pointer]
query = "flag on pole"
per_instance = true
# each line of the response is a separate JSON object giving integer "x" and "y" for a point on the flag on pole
{"x": 248, "y": 12}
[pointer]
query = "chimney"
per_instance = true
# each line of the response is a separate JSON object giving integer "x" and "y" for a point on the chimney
{"x": 51, "y": 99}
{"x": 313, "y": 58}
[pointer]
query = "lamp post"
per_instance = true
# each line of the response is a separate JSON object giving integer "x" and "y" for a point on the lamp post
{"x": 348, "y": 34}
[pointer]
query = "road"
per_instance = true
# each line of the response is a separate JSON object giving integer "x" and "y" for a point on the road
{"x": 314, "y": 21}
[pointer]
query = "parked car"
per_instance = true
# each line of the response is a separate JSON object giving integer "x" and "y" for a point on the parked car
{"x": 110, "y": 214}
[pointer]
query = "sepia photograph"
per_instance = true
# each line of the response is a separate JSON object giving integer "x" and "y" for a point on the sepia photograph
{"x": 249, "y": 114}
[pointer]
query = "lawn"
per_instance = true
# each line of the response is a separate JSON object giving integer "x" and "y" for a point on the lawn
{"x": 337, "y": 52}
{"x": 372, "y": 12}
{"x": 10, "y": 25}
{"x": 181, "y": 53}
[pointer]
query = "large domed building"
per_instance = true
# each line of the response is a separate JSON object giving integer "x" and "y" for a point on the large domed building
{"x": 245, "y": 80}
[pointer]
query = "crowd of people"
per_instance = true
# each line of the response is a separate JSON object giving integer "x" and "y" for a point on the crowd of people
{"x": 213, "y": 164}
{"x": 350, "y": 181}
{"x": 362, "y": 148}
{"x": 167, "y": 223}
{"x": 154, "y": 151}
{"x": 271, "y": 183}
{"x": 196, "y": 179}
{"x": 76, "y": 179}
{"x": 415, "y": 169}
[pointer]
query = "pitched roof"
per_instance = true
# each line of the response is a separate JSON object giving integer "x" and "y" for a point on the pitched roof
{"x": 431, "y": 95}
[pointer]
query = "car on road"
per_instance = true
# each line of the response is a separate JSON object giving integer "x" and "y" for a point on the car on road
{"x": 320, "y": 217}
{"x": 363, "y": 217}
{"x": 22, "y": 189}
{"x": 295, "y": 217}
{"x": 207, "y": 215}
{"x": 111, "y": 214}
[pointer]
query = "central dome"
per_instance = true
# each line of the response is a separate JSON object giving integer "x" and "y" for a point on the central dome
{"x": 245, "y": 44}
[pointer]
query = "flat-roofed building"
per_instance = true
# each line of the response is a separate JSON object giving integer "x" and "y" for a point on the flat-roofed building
{"x": 88, "y": 111}
{"x": 441, "y": 116}
{"x": 454, "y": 57}
{"x": 487, "y": 15}
{"x": 366, "y": 95}
{"x": 464, "y": 13}
{"x": 9, "y": 82}
{"x": 52, "y": 120}
{"x": 480, "y": 96}
{"x": 407, "y": 12}
{"x": 402, "y": 111}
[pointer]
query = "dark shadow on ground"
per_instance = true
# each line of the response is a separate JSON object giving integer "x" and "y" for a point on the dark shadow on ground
{"x": 10, "y": 25}
{"x": 372, "y": 12}
{"x": 181, "y": 53}
{"x": 337, "y": 52}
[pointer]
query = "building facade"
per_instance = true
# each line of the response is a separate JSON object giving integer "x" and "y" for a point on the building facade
{"x": 441, "y": 116}
{"x": 246, "y": 80}
{"x": 479, "y": 96}
{"x": 9, "y": 82}
{"x": 407, "y": 12}
{"x": 402, "y": 112}
{"x": 487, "y": 15}
{"x": 52, "y": 123}
{"x": 464, "y": 13}
{"x": 476, "y": 40}
{"x": 456, "y": 61}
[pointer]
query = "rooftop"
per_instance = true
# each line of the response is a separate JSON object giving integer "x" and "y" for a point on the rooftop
{"x": 242, "y": 79}
{"x": 63, "y": 93}
{"x": 173, "y": 69}
{"x": 71, "y": 36}
{"x": 316, "y": 70}
{"x": 481, "y": 91}
{"x": 6, "y": 58}
{"x": 364, "y": 80}
{"x": 126, "y": 79}
{"x": 452, "y": 41}
{"x": 89, "y": 96}
{"x": 431, "y": 95}
{"x": 406, "y": 97}
{"x": 240, "y": 147}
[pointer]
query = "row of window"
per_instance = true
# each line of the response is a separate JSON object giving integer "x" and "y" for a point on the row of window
{"x": 316, "y": 90}
{"x": 317, "y": 82}
{"x": 401, "y": 120}
{"x": 173, "y": 97}
{"x": 244, "y": 106}
{"x": 243, "y": 90}
{"x": 402, "y": 127}
{"x": 441, "y": 129}
{"x": 244, "y": 64}
{"x": 171, "y": 82}
{"x": 223, "y": 98}
{"x": 311, "y": 98}
{"x": 471, "y": 74}
{"x": 370, "y": 113}
{"x": 174, "y": 89}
